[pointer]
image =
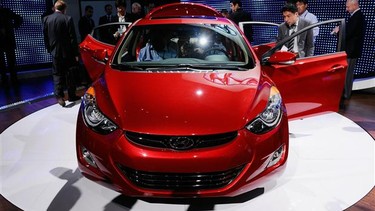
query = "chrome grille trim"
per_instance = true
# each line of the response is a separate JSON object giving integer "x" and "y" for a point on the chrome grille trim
{"x": 181, "y": 181}
{"x": 164, "y": 142}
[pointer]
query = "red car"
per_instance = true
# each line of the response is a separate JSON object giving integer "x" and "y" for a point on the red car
{"x": 181, "y": 105}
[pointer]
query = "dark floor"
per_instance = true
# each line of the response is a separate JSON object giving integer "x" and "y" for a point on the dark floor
{"x": 28, "y": 89}
{"x": 32, "y": 94}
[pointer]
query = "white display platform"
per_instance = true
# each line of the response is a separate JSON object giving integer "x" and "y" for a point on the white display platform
{"x": 331, "y": 166}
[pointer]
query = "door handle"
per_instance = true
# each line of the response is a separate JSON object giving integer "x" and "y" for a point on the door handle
{"x": 335, "y": 68}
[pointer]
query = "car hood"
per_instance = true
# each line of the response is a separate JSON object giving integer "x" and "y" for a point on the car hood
{"x": 188, "y": 103}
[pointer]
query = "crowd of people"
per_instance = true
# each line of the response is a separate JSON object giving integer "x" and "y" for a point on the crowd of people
{"x": 137, "y": 11}
{"x": 296, "y": 17}
{"x": 61, "y": 41}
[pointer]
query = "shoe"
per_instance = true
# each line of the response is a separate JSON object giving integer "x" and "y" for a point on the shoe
{"x": 61, "y": 101}
{"x": 74, "y": 98}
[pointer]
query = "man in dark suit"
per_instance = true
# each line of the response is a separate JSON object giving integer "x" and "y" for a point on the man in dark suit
{"x": 121, "y": 12}
{"x": 137, "y": 12}
{"x": 61, "y": 42}
{"x": 122, "y": 16}
{"x": 303, "y": 44}
{"x": 239, "y": 15}
{"x": 355, "y": 35}
{"x": 8, "y": 22}
{"x": 354, "y": 39}
{"x": 86, "y": 23}
{"x": 108, "y": 17}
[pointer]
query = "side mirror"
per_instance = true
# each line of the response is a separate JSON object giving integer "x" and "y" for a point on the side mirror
{"x": 100, "y": 55}
{"x": 282, "y": 57}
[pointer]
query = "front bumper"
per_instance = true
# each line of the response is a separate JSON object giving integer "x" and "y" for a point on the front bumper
{"x": 134, "y": 170}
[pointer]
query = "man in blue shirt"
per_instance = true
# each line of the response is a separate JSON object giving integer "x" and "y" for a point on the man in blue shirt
{"x": 305, "y": 14}
{"x": 157, "y": 48}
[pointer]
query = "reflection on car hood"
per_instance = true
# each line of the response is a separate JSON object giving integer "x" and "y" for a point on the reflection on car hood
{"x": 182, "y": 103}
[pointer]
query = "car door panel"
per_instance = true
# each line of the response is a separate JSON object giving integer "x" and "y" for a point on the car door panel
{"x": 320, "y": 77}
{"x": 98, "y": 47}
{"x": 87, "y": 49}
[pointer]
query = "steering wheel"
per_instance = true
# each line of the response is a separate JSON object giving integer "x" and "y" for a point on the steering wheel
{"x": 213, "y": 49}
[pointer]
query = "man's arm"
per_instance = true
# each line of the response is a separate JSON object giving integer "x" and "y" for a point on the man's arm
{"x": 279, "y": 34}
{"x": 313, "y": 20}
{"x": 45, "y": 33}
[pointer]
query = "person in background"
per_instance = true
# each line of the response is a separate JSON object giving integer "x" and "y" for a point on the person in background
{"x": 108, "y": 17}
{"x": 186, "y": 48}
{"x": 225, "y": 13}
{"x": 354, "y": 39}
{"x": 8, "y": 22}
{"x": 305, "y": 14}
{"x": 122, "y": 16}
{"x": 157, "y": 47}
{"x": 137, "y": 12}
{"x": 151, "y": 51}
{"x": 239, "y": 15}
{"x": 86, "y": 23}
{"x": 303, "y": 44}
{"x": 60, "y": 40}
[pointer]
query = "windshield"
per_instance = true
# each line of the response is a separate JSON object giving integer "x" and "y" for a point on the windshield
{"x": 210, "y": 46}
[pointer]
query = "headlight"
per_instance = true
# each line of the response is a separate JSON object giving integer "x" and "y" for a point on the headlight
{"x": 271, "y": 115}
{"x": 93, "y": 117}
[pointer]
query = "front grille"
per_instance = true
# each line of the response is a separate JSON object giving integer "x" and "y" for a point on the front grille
{"x": 180, "y": 142}
{"x": 180, "y": 181}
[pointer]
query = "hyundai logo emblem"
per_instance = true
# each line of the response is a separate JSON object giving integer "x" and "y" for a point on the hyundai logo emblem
{"x": 181, "y": 143}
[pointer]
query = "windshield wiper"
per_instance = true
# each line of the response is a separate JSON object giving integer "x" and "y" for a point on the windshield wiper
{"x": 179, "y": 67}
{"x": 211, "y": 67}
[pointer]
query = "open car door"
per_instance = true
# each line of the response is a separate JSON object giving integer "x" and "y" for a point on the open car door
{"x": 98, "y": 46}
{"x": 265, "y": 36}
{"x": 308, "y": 85}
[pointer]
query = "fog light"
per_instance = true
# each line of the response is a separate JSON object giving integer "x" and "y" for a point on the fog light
{"x": 87, "y": 156}
{"x": 277, "y": 155}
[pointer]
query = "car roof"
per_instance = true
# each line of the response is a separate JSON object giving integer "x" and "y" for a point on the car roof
{"x": 182, "y": 13}
{"x": 181, "y": 10}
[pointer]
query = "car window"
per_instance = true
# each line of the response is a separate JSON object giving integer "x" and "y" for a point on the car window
{"x": 183, "y": 44}
{"x": 110, "y": 33}
{"x": 263, "y": 32}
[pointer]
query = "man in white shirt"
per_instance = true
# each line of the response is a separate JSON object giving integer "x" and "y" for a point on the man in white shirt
{"x": 121, "y": 17}
{"x": 305, "y": 14}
